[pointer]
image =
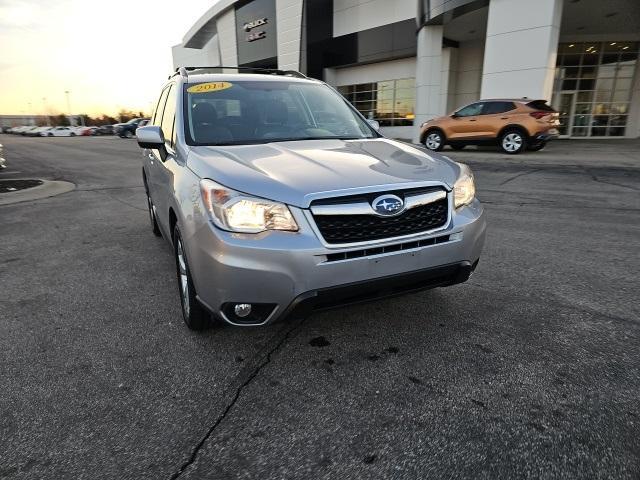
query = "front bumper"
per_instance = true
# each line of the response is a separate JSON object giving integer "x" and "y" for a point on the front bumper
{"x": 295, "y": 272}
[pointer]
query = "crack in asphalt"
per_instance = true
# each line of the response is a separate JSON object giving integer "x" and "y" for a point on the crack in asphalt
{"x": 263, "y": 359}
{"x": 521, "y": 174}
{"x": 599, "y": 180}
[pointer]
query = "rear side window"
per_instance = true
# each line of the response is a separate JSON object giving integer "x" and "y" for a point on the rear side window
{"x": 540, "y": 105}
{"x": 497, "y": 107}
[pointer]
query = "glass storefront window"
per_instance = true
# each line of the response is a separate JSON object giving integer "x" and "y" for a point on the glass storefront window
{"x": 593, "y": 85}
{"x": 390, "y": 102}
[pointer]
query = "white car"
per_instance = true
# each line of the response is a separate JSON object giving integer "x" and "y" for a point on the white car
{"x": 44, "y": 131}
{"x": 62, "y": 132}
{"x": 37, "y": 132}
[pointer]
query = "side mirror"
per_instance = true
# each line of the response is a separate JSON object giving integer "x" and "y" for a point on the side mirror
{"x": 152, "y": 137}
{"x": 374, "y": 124}
{"x": 454, "y": 115}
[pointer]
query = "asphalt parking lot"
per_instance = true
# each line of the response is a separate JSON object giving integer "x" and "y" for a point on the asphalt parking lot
{"x": 529, "y": 370}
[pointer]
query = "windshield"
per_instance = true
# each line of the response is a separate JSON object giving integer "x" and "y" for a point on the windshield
{"x": 225, "y": 113}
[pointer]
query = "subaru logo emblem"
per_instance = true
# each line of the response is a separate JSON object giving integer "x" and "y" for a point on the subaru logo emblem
{"x": 387, "y": 205}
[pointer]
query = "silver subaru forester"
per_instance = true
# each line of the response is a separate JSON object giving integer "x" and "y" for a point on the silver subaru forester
{"x": 279, "y": 198}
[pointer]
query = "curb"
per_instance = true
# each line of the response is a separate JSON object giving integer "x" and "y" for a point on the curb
{"x": 49, "y": 188}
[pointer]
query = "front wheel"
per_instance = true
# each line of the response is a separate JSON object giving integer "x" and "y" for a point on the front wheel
{"x": 72, "y": 134}
{"x": 152, "y": 217}
{"x": 434, "y": 140}
{"x": 195, "y": 316}
{"x": 513, "y": 142}
{"x": 128, "y": 134}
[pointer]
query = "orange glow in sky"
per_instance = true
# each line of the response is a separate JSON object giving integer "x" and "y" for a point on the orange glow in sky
{"x": 110, "y": 54}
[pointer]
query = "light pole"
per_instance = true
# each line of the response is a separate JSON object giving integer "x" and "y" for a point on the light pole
{"x": 44, "y": 111}
{"x": 68, "y": 95}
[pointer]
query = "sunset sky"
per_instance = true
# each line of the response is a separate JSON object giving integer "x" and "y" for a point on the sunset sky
{"x": 110, "y": 54}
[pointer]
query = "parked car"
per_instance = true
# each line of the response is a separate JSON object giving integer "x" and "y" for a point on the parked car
{"x": 105, "y": 130}
{"x": 128, "y": 130}
{"x": 3, "y": 162}
{"x": 26, "y": 130}
{"x": 6, "y": 129}
{"x": 62, "y": 132}
{"x": 38, "y": 132}
{"x": 85, "y": 131}
{"x": 513, "y": 124}
{"x": 278, "y": 198}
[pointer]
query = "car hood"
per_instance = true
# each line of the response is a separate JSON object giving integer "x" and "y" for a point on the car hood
{"x": 297, "y": 172}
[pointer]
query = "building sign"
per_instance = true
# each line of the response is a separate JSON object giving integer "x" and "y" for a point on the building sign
{"x": 254, "y": 35}
{"x": 256, "y": 31}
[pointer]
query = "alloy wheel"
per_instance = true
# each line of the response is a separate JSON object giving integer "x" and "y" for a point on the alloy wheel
{"x": 152, "y": 214}
{"x": 183, "y": 277}
{"x": 512, "y": 142}
{"x": 433, "y": 141}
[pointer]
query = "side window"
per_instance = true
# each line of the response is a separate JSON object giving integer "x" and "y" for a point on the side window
{"x": 168, "y": 116}
{"x": 492, "y": 108}
{"x": 470, "y": 110}
{"x": 157, "y": 115}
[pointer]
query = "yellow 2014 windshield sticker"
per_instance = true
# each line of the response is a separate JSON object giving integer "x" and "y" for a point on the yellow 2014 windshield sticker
{"x": 209, "y": 87}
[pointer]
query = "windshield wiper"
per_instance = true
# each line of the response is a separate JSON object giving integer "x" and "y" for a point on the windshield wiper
{"x": 276, "y": 140}
{"x": 296, "y": 139}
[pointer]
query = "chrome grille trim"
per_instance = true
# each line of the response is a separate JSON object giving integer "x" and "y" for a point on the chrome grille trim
{"x": 364, "y": 208}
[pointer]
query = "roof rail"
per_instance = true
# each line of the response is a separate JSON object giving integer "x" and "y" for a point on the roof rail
{"x": 184, "y": 71}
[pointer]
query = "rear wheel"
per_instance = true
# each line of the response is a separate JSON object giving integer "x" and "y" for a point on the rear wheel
{"x": 195, "y": 316}
{"x": 434, "y": 140}
{"x": 513, "y": 142}
{"x": 538, "y": 146}
{"x": 128, "y": 134}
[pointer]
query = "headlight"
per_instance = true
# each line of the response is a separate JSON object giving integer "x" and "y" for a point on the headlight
{"x": 236, "y": 212}
{"x": 464, "y": 188}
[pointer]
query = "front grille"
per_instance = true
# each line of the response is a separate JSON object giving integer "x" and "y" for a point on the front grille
{"x": 338, "y": 229}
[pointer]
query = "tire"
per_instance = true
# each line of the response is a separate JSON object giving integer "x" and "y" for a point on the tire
{"x": 457, "y": 146}
{"x": 195, "y": 316}
{"x": 538, "y": 146}
{"x": 128, "y": 134}
{"x": 152, "y": 213}
{"x": 50, "y": 135}
{"x": 513, "y": 141}
{"x": 72, "y": 134}
{"x": 434, "y": 140}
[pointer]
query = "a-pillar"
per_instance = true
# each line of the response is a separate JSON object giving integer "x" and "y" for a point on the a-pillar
{"x": 428, "y": 76}
{"x": 521, "y": 48}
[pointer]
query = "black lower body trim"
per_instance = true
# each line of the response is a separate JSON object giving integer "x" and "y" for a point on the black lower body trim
{"x": 369, "y": 290}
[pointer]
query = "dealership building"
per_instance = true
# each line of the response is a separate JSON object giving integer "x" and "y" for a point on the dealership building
{"x": 402, "y": 62}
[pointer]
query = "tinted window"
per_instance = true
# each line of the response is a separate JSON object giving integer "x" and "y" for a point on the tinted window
{"x": 470, "y": 110}
{"x": 268, "y": 111}
{"x": 497, "y": 107}
{"x": 540, "y": 105}
{"x": 168, "y": 116}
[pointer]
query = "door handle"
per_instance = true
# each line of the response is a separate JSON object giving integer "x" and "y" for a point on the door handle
{"x": 473, "y": 119}
{"x": 504, "y": 118}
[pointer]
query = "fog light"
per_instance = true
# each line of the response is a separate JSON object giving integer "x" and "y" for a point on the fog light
{"x": 242, "y": 309}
